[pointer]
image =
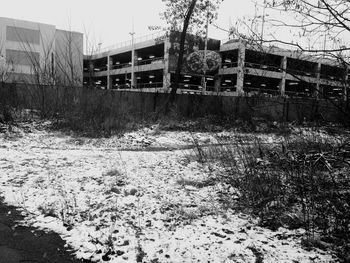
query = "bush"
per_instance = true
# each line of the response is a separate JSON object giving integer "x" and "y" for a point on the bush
{"x": 302, "y": 182}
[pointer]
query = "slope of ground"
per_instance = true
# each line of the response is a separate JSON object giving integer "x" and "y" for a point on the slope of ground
{"x": 138, "y": 205}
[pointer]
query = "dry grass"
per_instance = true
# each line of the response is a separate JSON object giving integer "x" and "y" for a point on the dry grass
{"x": 302, "y": 182}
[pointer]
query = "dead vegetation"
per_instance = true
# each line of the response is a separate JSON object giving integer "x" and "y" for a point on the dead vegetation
{"x": 300, "y": 181}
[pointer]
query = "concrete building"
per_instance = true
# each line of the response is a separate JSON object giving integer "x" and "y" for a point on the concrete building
{"x": 154, "y": 64}
{"x": 252, "y": 69}
{"x": 244, "y": 69}
{"x": 39, "y": 53}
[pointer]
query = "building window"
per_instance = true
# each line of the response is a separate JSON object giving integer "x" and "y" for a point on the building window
{"x": 24, "y": 58}
{"x": 23, "y": 35}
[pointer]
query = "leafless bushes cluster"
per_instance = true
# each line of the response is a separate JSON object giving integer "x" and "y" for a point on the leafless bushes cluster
{"x": 82, "y": 110}
{"x": 51, "y": 84}
{"x": 89, "y": 112}
{"x": 301, "y": 182}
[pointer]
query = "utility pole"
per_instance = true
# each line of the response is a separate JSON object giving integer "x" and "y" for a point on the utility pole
{"x": 326, "y": 28}
{"x": 132, "y": 33}
{"x": 263, "y": 23}
{"x": 326, "y": 32}
{"x": 204, "y": 81}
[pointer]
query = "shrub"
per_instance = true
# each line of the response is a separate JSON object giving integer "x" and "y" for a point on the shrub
{"x": 302, "y": 182}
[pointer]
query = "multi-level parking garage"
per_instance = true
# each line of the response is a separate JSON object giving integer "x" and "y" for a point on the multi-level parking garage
{"x": 244, "y": 69}
{"x": 153, "y": 65}
{"x": 113, "y": 69}
{"x": 249, "y": 69}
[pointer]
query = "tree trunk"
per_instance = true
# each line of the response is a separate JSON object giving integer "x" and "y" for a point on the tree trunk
{"x": 175, "y": 84}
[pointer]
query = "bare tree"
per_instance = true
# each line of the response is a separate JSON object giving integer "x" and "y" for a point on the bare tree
{"x": 326, "y": 19}
{"x": 5, "y": 69}
{"x": 5, "y": 72}
{"x": 187, "y": 16}
{"x": 91, "y": 48}
{"x": 47, "y": 75}
{"x": 314, "y": 31}
{"x": 68, "y": 59}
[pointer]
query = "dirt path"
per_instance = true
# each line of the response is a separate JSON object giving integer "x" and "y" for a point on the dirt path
{"x": 27, "y": 244}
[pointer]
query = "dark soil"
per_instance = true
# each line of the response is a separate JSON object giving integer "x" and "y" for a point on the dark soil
{"x": 27, "y": 244}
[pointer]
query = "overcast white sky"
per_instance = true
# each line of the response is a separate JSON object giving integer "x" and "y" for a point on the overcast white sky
{"x": 110, "y": 21}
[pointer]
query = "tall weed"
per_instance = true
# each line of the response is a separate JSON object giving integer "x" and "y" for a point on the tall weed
{"x": 302, "y": 181}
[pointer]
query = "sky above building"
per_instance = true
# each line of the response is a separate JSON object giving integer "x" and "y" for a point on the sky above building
{"x": 110, "y": 21}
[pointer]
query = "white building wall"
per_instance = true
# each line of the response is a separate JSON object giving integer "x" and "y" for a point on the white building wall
{"x": 21, "y": 41}
{"x": 69, "y": 57}
{"x": 32, "y": 38}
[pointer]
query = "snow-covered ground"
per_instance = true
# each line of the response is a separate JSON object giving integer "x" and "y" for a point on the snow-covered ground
{"x": 148, "y": 203}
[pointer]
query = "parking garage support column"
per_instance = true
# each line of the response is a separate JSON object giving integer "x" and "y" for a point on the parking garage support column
{"x": 284, "y": 74}
{"x": 91, "y": 72}
{"x": 166, "y": 70}
{"x": 133, "y": 72}
{"x": 240, "y": 71}
{"x": 109, "y": 67}
{"x": 217, "y": 84}
{"x": 318, "y": 91}
{"x": 346, "y": 85}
